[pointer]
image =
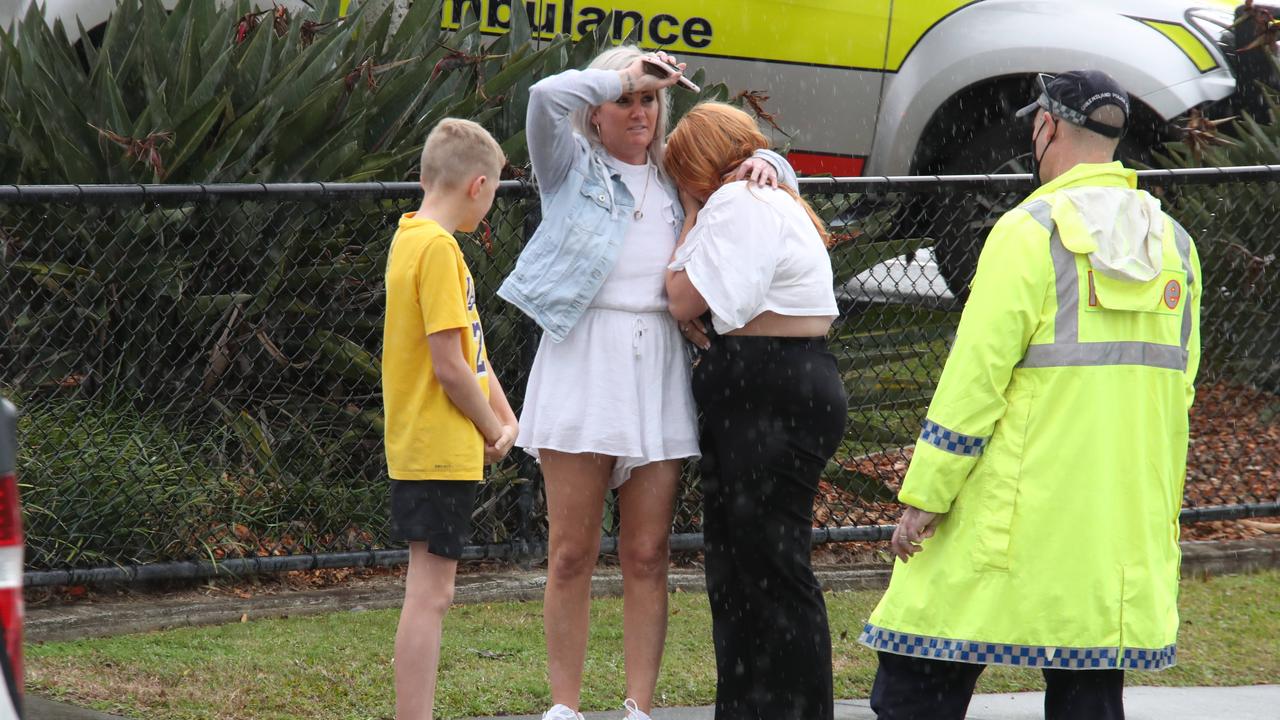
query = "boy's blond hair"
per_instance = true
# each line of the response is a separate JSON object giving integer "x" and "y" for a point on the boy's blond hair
{"x": 457, "y": 151}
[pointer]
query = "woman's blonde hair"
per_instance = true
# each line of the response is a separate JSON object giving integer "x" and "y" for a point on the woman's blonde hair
{"x": 620, "y": 58}
{"x": 456, "y": 151}
{"x": 707, "y": 146}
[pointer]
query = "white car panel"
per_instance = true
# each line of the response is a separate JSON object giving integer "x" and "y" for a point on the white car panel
{"x": 999, "y": 38}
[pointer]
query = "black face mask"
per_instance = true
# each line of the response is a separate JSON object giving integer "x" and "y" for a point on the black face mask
{"x": 1035, "y": 161}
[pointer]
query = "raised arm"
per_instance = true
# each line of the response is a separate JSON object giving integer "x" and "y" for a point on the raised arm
{"x": 552, "y": 101}
{"x": 551, "y": 137}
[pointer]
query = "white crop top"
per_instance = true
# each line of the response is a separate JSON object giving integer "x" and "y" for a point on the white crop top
{"x": 754, "y": 250}
{"x": 637, "y": 282}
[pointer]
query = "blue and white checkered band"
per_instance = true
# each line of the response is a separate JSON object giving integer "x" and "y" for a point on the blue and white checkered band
{"x": 1056, "y": 108}
{"x": 1031, "y": 656}
{"x": 952, "y": 441}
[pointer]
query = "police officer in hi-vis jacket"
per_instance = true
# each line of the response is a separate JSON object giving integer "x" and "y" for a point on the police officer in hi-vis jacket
{"x": 1041, "y": 527}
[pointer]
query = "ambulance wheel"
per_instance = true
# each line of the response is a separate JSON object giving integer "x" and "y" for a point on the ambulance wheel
{"x": 962, "y": 223}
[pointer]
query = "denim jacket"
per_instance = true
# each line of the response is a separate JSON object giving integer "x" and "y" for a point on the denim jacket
{"x": 586, "y": 207}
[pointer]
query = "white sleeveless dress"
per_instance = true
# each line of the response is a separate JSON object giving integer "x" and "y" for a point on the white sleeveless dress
{"x": 619, "y": 383}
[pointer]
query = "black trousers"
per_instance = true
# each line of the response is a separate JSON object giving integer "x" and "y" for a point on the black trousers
{"x": 773, "y": 413}
{"x": 911, "y": 688}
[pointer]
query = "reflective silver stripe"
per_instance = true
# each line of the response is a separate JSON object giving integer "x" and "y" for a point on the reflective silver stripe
{"x": 1183, "y": 242}
{"x": 1186, "y": 319}
{"x": 1167, "y": 357}
{"x": 8, "y": 437}
{"x": 1066, "y": 324}
{"x": 1066, "y": 349}
{"x": 1042, "y": 211}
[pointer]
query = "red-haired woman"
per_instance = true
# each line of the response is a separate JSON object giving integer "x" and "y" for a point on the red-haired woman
{"x": 773, "y": 411}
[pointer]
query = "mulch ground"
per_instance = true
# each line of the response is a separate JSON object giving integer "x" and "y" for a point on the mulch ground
{"x": 1234, "y": 458}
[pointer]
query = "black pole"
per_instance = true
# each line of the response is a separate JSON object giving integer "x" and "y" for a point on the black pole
{"x": 524, "y": 551}
{"x": 682, "y": 542}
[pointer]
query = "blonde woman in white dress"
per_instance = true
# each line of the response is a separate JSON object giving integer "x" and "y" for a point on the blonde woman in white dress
{"x": 608, "y": 404}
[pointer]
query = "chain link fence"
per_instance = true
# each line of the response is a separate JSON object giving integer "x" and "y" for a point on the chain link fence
{"x": 197, "y": 366}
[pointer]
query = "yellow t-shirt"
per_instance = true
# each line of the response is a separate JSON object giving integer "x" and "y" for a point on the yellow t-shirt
{"x": 429, "y": 289}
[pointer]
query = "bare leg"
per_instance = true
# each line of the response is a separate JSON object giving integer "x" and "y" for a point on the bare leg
{"x": 427, "y": 594}
{"x": 575, "y": 486}
{"x": 647, "y": 503}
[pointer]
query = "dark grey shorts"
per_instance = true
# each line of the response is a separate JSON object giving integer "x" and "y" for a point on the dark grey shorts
{"x": 437, "y": 512}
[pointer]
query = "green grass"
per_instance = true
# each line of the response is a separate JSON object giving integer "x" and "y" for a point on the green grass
{"x": 339, "y": 666}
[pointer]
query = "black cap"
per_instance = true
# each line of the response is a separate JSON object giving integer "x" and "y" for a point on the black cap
{"x": 1073, "y": 95}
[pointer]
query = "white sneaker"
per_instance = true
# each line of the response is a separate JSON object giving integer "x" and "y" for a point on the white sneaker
{"x": 561, "y": 712}
{"x": 633, "y": 711}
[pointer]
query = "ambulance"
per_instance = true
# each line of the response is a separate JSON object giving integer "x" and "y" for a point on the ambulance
{"x": 884, "y": 87}
{"x": 902, "y": 87}
{"x": 899, "y": 87}
{"x": 923, "y": 87}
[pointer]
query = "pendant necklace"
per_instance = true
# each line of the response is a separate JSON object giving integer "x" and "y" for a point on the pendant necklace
{"x": 648, "y": 170}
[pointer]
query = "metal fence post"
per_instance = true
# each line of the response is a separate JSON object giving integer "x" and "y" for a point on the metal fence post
{"x": 524, "y": 553}
{"x": 8, "y": 437}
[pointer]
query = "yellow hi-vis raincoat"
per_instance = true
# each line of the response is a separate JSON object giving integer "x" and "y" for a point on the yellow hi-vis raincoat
{"x": 1056, "y": 442}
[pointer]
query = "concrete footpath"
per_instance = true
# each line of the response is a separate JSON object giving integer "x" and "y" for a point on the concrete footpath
{"x": 37, "y": 708}
{"x": 1257, "y": 702}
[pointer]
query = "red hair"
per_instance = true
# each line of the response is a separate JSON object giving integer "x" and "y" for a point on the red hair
{"x": 707, "y": 146}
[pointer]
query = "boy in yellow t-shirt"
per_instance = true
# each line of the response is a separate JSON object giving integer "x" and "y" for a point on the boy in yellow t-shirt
{"x": 446, "y": 413}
